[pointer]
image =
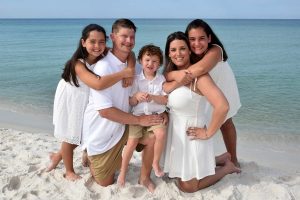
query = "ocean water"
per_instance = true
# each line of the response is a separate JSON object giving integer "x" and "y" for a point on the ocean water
{"x": 264, "y": 55}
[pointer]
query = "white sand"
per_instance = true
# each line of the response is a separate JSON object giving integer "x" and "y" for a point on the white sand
{"x": 269, "y": 172}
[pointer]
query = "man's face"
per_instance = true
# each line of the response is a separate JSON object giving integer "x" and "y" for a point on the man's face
{"x": 123, "y": 40}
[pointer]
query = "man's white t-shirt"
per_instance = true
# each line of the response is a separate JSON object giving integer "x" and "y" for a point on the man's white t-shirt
{"x": 101, "y": 134}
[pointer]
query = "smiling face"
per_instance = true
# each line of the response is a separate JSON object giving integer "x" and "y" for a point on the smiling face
{"x": 150, "y": 64}
{"x": 179, "y": 54}
{"x": 198, "y": 41}
{"x": 95, "y": 44}
{"x": 123, "y": 40}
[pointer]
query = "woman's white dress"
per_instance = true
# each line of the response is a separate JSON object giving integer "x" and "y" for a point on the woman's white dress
{"x": 185, "y": 158}
{"x": 69, "y": 105}
{"x": 224, "y": 78}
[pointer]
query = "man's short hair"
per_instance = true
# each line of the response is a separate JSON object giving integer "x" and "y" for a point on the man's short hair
{"x": 122, "y": 23}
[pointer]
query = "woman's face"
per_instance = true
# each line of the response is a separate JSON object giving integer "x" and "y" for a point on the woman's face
{"x": 179, "y": 54}
{"x": 198, "y": 40}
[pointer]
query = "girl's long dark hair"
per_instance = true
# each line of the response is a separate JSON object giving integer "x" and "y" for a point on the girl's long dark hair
{"x": 169, "y": 65}
{"x": 199, "y": 23}
{"x": 69, "y": 74}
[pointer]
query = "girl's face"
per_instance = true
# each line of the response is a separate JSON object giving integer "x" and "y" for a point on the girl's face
{"x": 150, "y": 64}
{"x": 198, "y": 41}
{"x": 95, "y": 44}
{"x": 179, "y": 54}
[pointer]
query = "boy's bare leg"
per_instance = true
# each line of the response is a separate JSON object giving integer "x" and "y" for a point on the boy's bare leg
{"x": 147, "y": 160}
{"x": 127, "y": 154}
{"x": 160, "y": 138}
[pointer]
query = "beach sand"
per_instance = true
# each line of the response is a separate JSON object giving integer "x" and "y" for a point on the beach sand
{"x": 270, "y": 170}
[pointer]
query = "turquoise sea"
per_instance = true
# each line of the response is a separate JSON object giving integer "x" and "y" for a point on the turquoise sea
{"x": 264, "y": 55}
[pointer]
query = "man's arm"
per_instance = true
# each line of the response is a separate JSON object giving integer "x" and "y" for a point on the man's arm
{"x": 122, "y": 117}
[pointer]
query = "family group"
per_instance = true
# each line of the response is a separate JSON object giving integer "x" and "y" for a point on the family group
{"x": 111, "y": 106}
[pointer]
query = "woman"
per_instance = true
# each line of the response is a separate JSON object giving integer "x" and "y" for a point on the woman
{"x": 209, "y": 55}
{"x": 189, "y": 154}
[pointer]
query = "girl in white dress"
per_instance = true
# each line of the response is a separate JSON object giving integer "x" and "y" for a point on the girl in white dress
{"x": 72, "y": 93}
{"x": 209, "y": 55}
{"x": 189, "y": 154}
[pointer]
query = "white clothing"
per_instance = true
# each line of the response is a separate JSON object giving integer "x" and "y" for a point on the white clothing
{"x": 185, "y": 158}
{"x": 101, "y": 134}
{"x": 224, "y": 78}
{"x": 69, "y": 105}
{"x": 154, "y": 86}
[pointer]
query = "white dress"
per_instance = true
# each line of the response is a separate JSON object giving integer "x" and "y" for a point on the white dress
{"x": 68, "y": 109}
{"x": 185, "y": 158}
{"x": 223, "y": 77}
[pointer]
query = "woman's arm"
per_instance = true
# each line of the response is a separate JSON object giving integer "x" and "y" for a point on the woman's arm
{"x": 220, "y": 105}
{"x": 100, "y": 83}
{"x": 209, "y": 61}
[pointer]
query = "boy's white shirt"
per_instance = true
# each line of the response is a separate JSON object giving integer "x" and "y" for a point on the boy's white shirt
{"x": 154, "y": 86}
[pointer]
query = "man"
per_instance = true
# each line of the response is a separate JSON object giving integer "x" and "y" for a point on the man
{"x": 107, "y": 113}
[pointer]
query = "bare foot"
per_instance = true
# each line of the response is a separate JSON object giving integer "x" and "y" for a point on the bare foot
{"x": 221, "y": 159}
{"x": 71, "y": 176}
{"x": 84, "y": 159}
{"x": 157, "y": 171}
{"x": 236, "y": 163}
{"x": 148, "y": 184}
{"x": 231, "y": 168}
{"x": 121, "y": 180}
{"x": 55, "y": 158}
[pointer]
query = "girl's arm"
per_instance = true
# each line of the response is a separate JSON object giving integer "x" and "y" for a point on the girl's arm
{"x": 215, "y": 97}
{"x": 130, "y": 64}
{"x": 209, "y": 61}
{"x": 97, "y": 82}
{"x": 168, "y": 87}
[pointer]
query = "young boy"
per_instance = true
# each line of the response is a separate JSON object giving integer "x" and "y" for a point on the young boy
{"x": 147, "y": 97}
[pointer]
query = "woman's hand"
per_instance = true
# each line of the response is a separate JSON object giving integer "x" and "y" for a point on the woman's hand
{"x": 197, "y": 133}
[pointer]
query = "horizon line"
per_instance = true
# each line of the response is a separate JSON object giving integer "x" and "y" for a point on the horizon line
{"x": 151, "y": 18}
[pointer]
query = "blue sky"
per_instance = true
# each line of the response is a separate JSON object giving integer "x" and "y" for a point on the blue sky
{"x": 228, "y": 9}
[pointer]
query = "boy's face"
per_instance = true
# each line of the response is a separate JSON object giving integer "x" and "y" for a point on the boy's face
{"x": 123, "y": 40}
{"x": 150, "y": 63}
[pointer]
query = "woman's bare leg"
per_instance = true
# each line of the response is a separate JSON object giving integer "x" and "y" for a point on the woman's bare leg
{"x": 195, "y": 185}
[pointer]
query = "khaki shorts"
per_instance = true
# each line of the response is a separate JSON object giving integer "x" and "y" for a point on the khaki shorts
{"x": 107, "y": 163}
{"x": 140, "y": 132}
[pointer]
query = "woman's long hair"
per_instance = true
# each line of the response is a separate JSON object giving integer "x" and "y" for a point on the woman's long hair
{"x": 69, "y": 74}
{"x": 169, "y": 65}
{"x": 198, "y": 23}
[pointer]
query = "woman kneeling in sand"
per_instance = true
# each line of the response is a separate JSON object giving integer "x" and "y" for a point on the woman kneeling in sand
{"x": 189, "y": 154}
